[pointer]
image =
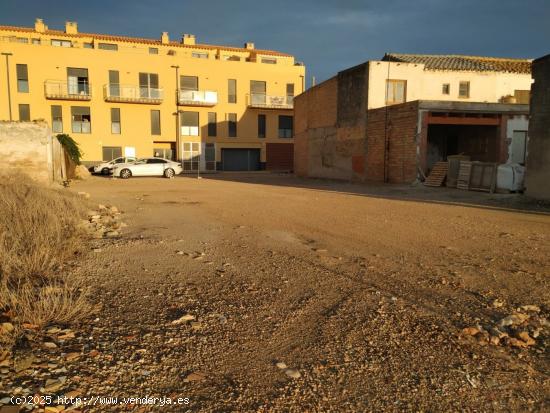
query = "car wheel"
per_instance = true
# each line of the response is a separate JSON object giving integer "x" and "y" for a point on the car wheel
{"x": 125, "y": 174}
{"x": 169, "y": 173}
{"x": 105, "y": 171}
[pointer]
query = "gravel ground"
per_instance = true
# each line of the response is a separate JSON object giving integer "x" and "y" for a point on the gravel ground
{"x": 265, "y": 293}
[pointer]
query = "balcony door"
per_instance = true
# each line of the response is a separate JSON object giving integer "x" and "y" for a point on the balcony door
{"x": 77, "y": 81}
{"x": 149, "y": 85}
{"x": 114, "y": 83}
{"x": 257, "y": 92}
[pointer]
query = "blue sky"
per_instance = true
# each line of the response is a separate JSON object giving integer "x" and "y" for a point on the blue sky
{"x": 328, "y": 35}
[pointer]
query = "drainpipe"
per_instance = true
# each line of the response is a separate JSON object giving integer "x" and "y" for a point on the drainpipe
{"x": 177, "y": 114}
{"x": 8, "y": 76}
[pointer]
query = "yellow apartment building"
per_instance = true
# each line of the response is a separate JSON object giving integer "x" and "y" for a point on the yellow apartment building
{"x": 217, "y": 107}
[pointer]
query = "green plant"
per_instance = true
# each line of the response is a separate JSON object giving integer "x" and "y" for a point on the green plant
{"x": 70, "y": 145}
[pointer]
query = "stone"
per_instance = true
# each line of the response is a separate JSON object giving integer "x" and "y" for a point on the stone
{"x": 85, "y": 195}
{"x": 50, "y": 345}
{"x": 180, "y": 252}
{"x": 533, "y": 308}
{"x": 294, "y": 374}
{"x": 52, "y": 385}
{"x": 114, "y": 209}
{"x": 96, "y": 250}
{"x": 281, "y": 365}
{"x": 112, "y": 234}
{"x": 470, "y": 331}
{"x": 196, "y": 376}
{"x": 23, "y": 364}
{"x": 497, "y": 303}
{"x": 524, "y": 336}
{"x": 196, "y": 325}
{"x": 514, "y": 319}
{"x": 184, "y": 319}
{"x": 6, "y": 328}
{"x": 81, "y": 172}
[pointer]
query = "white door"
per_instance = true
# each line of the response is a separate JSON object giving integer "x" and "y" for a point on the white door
{"x": 519, "y": 144}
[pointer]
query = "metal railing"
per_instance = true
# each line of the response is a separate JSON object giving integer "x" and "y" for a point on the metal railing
{"x": 132, "y": 94}
{"x": 261, "y": 100}
{"x": 59, "y": 89}
{"x": 197, "y": 97}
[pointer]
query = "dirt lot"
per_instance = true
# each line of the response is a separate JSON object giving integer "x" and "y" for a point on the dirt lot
{"x": 360, "y": 291}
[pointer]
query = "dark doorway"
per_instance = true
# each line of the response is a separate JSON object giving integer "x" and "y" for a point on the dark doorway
{"x": 240, "y": 159}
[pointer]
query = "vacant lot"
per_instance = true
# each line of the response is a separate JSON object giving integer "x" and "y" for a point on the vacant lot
{"x": 362, "y": 292}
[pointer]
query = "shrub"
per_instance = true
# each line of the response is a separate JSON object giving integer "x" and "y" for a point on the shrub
{"x": 40, "y": 230}
{"x": 71, "y": 147}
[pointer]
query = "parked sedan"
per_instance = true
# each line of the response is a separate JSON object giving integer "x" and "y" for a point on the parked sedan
{"x": 148, "y": 167}
{"x": 105, "y": 168}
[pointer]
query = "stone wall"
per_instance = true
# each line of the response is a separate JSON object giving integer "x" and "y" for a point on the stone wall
{"x": 29, "y": 147}
{"x": 537, "y": 178}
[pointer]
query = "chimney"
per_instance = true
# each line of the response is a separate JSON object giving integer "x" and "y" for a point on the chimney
{"x": 165, "y": 39}
{"x": 188, "y": 39}
{"x": 71, "y": 27}
{"x": 249, "y": 45}
{"x": 39, "y": 26}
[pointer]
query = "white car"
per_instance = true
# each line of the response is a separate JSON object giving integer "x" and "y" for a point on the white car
{"x": 148, "y": 167}
{"x": 105, "y": 168}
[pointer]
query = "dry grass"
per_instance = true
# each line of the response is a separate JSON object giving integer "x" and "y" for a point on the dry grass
{"x": 39, "y": 233}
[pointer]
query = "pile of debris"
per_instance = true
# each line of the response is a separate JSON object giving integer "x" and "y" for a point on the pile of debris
{"x": 104, "y": 222}
{"x": 520, "y": 329}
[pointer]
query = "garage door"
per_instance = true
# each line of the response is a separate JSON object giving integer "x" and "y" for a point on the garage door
{"x": 279, "y": 156}
{"x": 240, "y": 159}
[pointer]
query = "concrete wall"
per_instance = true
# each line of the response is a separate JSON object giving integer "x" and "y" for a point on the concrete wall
{"x": 518, "y": 123}
{"x": 423, "y": 84}
{"x": 29, "y": 147}
{"x": 537, "y": 179}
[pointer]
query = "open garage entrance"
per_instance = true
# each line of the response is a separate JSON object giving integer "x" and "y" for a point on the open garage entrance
{"x": 240, "y": 159}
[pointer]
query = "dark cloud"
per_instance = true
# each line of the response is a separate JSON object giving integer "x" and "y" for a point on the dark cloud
{"x": 328, "y": 35}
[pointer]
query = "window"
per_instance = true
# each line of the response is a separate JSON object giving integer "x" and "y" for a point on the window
{"x": 464, "y": 90}
{"x": 285, "y": 126}
{"x": 115, "y": 121}
{"x": 149, "y": 85}
{"x": 212, "y": 124}
{"x": 522, "y": 96}
{"x": 107, "y": 46}
{"x": 155, "y": 122}
{"x": 189, "y": 82}
{"x": 153, "y": 50}
{"x": 62, "y": 43}
{"x": 24, "y": 112}
{"x": 446, "y": 89}
{"x": 88, "y": 45}
{"x": 114, "y": 84}
{"x": 232, "y": 125}
{"x": 190, "y": 123}
{"x": 289, "y": 93}
{"x": 77, "y": 81}
{"x": 231, "y": 58}
{"x": 111, "y": 152}
{"x": 257, "y": 92}
{"x": 269, "y": 60}
{"x": 232, "y": 91}
{"x": 153, "y": 160}
{"x": 261, "y": 126}
{"x": 396, "y": 91}
{"x": 22, "y": 78}
{"x": 210, "y": 156}
{"x": 81, "y": 120}
{"x": 200, "y": 55}
{"x": 36, "y": 41}
{"x": 57, "y": 119}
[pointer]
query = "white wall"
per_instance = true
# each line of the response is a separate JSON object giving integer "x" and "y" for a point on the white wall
{"x": 515, "y": 123}
{"x": 427, "y": 84}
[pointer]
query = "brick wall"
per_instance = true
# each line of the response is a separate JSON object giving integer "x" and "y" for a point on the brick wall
{"x": 399, "y": 124}
{"x": 538, "y": 150}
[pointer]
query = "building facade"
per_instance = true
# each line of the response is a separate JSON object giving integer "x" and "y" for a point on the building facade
{"x": 210, "y": 106}
{"x": 392, "y": 120}
{"x": 537, "y": 179}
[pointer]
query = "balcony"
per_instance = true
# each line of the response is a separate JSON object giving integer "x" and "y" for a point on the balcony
{"x": 133, "y": 94}
{"x": 61, "y": 90}
{"x": 197, "y": 97}
{"x": 263, "y": 101}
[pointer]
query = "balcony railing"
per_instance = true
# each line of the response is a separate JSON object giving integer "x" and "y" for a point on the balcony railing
{"x": 59, "y": 89}
{"x": 197, "y": 97}
{"x": 132, "y": 94}
{"x": 261, "y": 100}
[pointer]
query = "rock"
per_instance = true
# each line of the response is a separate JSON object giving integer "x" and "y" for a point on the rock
{"x": 180, "y": 252}
{"x": 114, "y": 209}
{"x": 52, "y": 385}
{"x": 196, "y": 325}
{"x": 23, "y": 364}
{"x": 497, "y": 303}
{"x": 112, "y": 234}
{"x": 85, "y": 195}
{"x": 6, "y": 328}
{"x": 494, "y": 340}
{"x": 514, "y": 319}
{"x": 524, "y": 336}
{"x": 96, "y": 250}
{"x": 281, "y": 365}
{"x": 294, "y": 374}
{"x": 184, "y": 319}
{"x": 81, "y": 172}
{"x": 533, "y": 308}
{"x": 50, "y": 345}
{"x": 470, "y": 331}
{"x": 196, "y": 376}
{"x": 514, "y": 342}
